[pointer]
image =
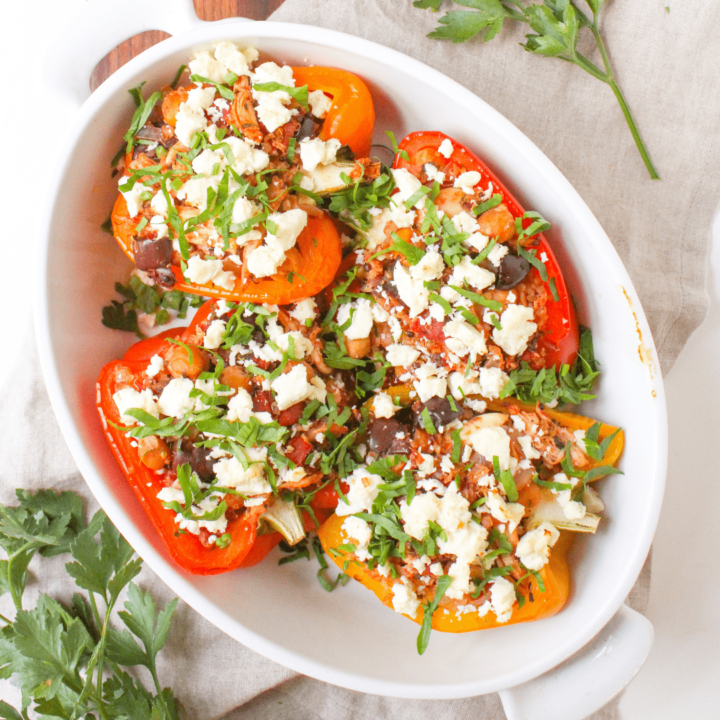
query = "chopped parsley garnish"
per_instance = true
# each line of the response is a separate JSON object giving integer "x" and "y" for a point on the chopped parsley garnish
{"x": 299, "y": 94}
{"x": 482, "y": 207}
{"x": 569, "y": 385}
{"x": 429, "y": 609}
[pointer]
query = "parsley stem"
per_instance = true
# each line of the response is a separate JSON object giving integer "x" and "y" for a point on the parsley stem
{"x": 5, "y": 620}
{"x": 622, "y": 102}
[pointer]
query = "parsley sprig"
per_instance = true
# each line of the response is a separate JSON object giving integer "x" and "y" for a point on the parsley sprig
{"x": 556, "y": 26}
{"x": 68, "y": 661}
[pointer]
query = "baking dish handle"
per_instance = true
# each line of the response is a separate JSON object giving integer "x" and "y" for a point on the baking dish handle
{"x": 589, "y": 679}
{"x": 99, "y": 27}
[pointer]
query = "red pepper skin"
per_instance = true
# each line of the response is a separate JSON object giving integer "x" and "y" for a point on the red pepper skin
{"x": 185, "y": 549}
{"x": 560, "y": 338}
{"x": 144, "y": 350}
{"x": 261, "y": 547}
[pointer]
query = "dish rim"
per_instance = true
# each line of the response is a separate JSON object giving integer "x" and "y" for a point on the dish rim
{"x": 237, "y": 30}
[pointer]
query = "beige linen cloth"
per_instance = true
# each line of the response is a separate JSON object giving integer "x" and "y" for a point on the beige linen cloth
{"x": 664, "y": 62}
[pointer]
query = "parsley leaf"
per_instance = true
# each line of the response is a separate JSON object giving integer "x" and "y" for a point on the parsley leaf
{"x": 67, "y": 661}
{"x": 429, "y": 609}
{"x": 556, "y": 26}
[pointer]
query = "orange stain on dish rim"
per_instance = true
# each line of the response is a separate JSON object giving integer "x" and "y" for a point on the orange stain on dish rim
{"x": 643, "y": 350}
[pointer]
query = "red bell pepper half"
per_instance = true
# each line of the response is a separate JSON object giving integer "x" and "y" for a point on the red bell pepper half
{"x": 559, "y": 340}
{"x": 185, "y": 549}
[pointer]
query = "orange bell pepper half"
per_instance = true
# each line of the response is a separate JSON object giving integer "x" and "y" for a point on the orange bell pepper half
{"x": 555, "y": 576}
{"x": 309, "y": 266}
{"x": 560, "y": 336}
{"x": 351, "y": 117}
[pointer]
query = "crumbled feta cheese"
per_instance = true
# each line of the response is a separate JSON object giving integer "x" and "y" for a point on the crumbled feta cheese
{"x": 407, "y": 185}
{"x": 466, "y": 181}
{"x": 446, "y": 148}
{"x": 401, "y": 355}
{"x": 434, "y": 174}
{"x": 465, "y": 222}
{"x": 247, "y": 159}
{"x": 529, "y": 451}
{"x": 217, "y": 109}
{"x": 379, "y": 313}
{"x": 580, "y": 440}
{"x": 395, "y": 328}
{"x": 461, "y": 386}
{"x": 159, "y": 203}
{"x": 427, "y": 466}
{"x": 293, "y": 387}
{"x": 375, "y": 235}
{"x": 412, "y": 292}
{"x": 228, "y": 54}
{"x": 430, "y": 267}
{"x": 207, "y": 161}
{"x": 314, "y": 152}
{"x": 272, "y": 72}
{"x": 205, "y": 65}
{"x": 320, "y": 103}
{"x": 175, "y": 399}
{"x": 190, "y": 118}
{"x": 230, "y": 473}
{"x": 194, "y": 191}
{"x": 132, "y": 197}
{"x": 202, "y": 271}
{"x": 477, "y": 277}
{"x": 400, "y": 216}
{"x": 517, "y": 329}
{"x": 271, "y": 110}
{"x": 416, "y": 516}
{"x": 158, "y": 224}
{"x": 214, "y": 334}
{"x": 466, "y": 539}
{"x": 358, "y": 530}
{"x": 289, "y": 226}
{"x": 533, "y": 550}
{"x": 507, "y": 512}
{"x": 240, "y": 407}
{"x": 429, "y": 382}
{"x": 128, "y": 398}
{"x": 304, "y": 310}
{"x": 362, "y": 319}
{"x": 383, "y": 406}
{"x": 405, "y": 600}
{"x": 488, "y": 441}
{"x": 363, "y": 489}
{"x": 244, "y": 209}
{"x": 492, "y": 382}
{"x": 502, "y": 599}
{"x": 572, "y": 509}
{"x": 496, "y": 255}
{"x": 156, "y": 365}
{"x": 462, "y": 338}
{"x": 265, "y": 261}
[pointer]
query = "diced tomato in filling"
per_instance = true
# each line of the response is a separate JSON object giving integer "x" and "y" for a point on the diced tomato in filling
{"x": 299, "y": 449}
{"x": 432, "y": 331}
{"x": 291, "y": 415}
{"x": 262, "y": 402}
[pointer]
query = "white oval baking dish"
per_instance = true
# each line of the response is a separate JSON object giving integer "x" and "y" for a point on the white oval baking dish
{"x": 347, "y": 637}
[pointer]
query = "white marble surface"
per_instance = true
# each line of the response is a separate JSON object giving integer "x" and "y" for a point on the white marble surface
{"x": 679, "y": 679}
